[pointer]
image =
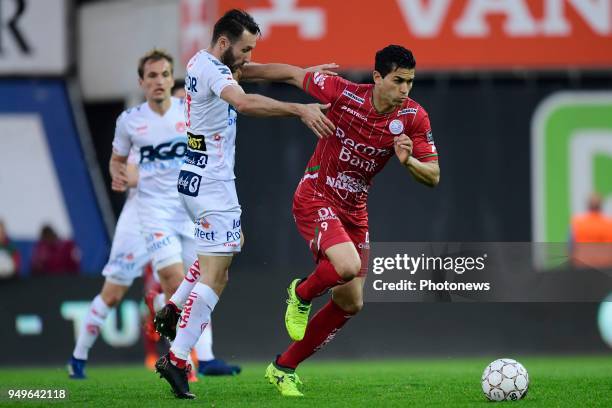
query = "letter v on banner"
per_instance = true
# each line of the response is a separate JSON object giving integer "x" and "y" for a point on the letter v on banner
{"x": 571, "y": 139}
{"x": 425, "y": 19}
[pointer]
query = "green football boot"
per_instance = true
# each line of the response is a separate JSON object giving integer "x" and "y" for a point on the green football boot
{"x": 296, "y": 316}
{"x": 285, "y": 382}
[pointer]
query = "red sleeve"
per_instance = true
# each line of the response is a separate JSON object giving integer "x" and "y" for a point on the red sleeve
{"x": 325, "y": 88}
{"x": 423, "y": 146}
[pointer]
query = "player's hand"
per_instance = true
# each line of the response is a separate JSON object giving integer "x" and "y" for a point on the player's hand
{"x": 324, "y": 68}
{"x": 119, "y": 176}
{"x": 403, "y": 147}
{"x": 312, "y": 115}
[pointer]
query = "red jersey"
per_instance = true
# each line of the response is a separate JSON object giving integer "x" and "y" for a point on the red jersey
{"x": 342, "y": 167}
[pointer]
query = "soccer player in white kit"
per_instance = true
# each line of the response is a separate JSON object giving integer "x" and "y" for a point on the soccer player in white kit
{"x": 127, "y": 261}
{"x": 206, "y": 181}
{"x": 155, "y": 131}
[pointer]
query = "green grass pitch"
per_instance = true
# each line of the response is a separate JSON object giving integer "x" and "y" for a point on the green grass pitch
{"x": 554, "y": 381}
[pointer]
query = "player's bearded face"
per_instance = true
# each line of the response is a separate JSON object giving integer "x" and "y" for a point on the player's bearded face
{"x": 157, "y": 81}
{"x": 239, "y": 53}
{"x": 229, "y": 59}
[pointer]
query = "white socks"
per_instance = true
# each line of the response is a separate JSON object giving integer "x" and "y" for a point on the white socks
{"x": 194, "y": 319}
{"x": 196, "y": 311}
{"x": 191, "y": 278}
{"x": 203, "y": 347}
{"x": 90, "y": 329}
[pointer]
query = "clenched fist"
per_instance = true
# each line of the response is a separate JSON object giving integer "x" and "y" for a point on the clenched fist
{"x": 403, "y": 148}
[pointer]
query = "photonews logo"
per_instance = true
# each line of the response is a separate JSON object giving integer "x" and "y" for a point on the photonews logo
{"x": 571, "y": 139}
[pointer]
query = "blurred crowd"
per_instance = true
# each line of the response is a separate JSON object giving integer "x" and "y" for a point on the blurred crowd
{"x": 51, "y": 256}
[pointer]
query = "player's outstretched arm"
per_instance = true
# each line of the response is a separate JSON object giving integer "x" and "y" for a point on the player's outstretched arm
{"x": 427, "y": 173}
{"x": 257, "y": 105}
{"x": 118, "y": 172}
{"x": 283, "y": 72}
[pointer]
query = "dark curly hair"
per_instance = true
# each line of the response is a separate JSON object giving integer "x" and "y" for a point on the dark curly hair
{"x": 232, "y": 25}
{"x": 393, "y": 57}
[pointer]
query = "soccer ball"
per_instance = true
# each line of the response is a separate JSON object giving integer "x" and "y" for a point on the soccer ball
{"x": 505, "y": 379}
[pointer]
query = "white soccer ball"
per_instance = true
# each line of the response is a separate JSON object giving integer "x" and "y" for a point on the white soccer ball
{"x": 505, "y": 379}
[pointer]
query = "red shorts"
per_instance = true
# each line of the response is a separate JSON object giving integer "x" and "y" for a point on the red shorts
{"x": 321, "y": 225}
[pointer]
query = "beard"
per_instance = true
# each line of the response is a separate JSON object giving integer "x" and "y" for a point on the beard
{"x": 228, "y": 59}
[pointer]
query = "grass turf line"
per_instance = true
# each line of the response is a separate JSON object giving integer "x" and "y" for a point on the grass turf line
{"x": 554, "y": 381}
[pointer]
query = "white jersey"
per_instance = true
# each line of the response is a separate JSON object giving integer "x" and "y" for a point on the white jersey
{"x": 211, "y": 122}
{"x": 160, "y": 143}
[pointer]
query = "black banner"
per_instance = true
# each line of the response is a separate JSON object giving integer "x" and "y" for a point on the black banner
{"x": 38, "y": 319}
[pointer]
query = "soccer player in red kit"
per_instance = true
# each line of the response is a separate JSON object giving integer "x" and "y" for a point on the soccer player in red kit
{"x": 373, "y": 123}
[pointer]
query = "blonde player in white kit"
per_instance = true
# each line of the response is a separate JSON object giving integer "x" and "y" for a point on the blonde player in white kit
{"x": 156, "y": 130}
{"x": 206, "y": 181}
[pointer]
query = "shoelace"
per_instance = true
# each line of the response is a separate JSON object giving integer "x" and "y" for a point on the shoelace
{"x": 302, "y": 308}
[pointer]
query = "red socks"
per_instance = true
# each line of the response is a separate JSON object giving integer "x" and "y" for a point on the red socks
{"x": 321, "y": 329}
{"x": 179, "y": 362}
{"x": 322, "y": 279}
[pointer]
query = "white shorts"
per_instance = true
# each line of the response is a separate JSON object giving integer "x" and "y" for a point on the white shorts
{"x": 128, "y": 255}
{"x": 213, "y": 205}
{"x": 168, "y": 232}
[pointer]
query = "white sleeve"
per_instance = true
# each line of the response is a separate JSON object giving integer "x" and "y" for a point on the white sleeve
{"x": 122, "y": 142}
{"x": 218, "y": 77}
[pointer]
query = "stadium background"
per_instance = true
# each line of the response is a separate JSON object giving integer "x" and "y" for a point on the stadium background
{"x": 67, "y": 69}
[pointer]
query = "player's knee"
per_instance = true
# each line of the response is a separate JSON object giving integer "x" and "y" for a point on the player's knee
{"x": 220, "y": 278}
{"x": 355, "y": 307}
{"x": 111, "y": 299}
{"x": 348, "y": 268}
{"x": 352, "y": 306}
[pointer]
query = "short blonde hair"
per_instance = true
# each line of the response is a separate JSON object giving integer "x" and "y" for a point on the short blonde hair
{"x": 155, "y": 54}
